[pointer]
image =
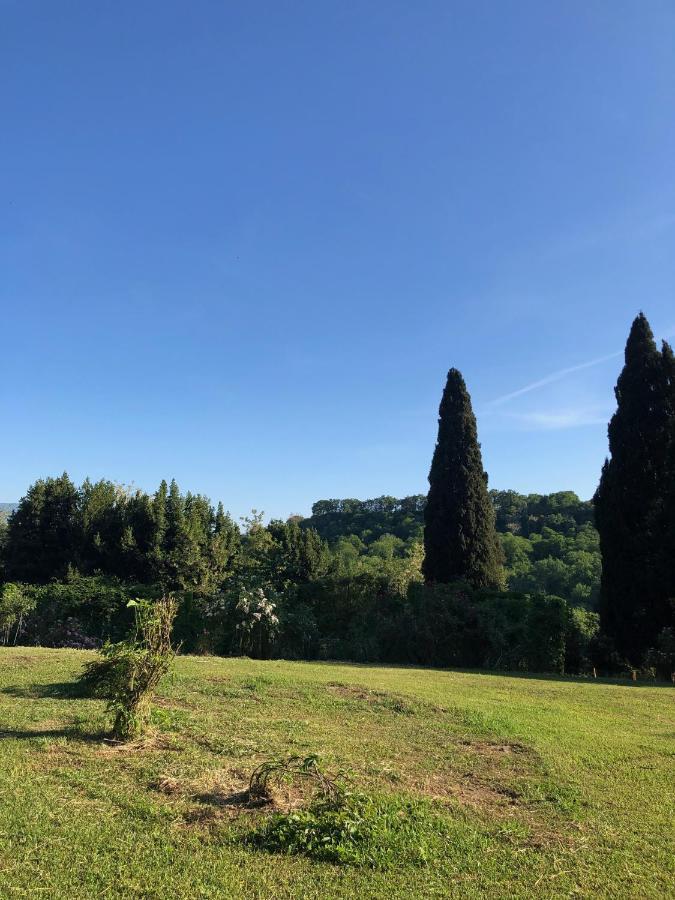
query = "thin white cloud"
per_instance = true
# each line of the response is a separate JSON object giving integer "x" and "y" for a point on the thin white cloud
{"x": 563, "y": 373}
{"x": 554, "y": 376}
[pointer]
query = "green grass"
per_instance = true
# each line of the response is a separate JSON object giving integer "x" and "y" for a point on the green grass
{"x": 509, "y": 787}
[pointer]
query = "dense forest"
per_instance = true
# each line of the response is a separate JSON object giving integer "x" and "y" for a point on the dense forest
{"x": 462, "y": 577}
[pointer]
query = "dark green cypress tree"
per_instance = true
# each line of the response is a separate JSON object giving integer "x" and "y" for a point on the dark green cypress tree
{"x": 629, "y": 501}
{"x": 661, "y": 568}
{"x": 460, "y": 540}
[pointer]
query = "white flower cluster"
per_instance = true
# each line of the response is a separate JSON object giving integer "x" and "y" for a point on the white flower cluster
{"x": 254, "y": 607}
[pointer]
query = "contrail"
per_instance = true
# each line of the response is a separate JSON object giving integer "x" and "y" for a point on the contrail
{"x": 561, "y": 373}
{"x": 554, "y": 376}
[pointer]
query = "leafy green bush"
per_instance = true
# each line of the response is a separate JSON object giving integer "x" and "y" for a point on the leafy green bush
{"x": 97, "y": 603}
{"x": 582, "y": 630}
{"x": 129, "y": 672}
{"x": 661, "y": 659}
{"x": 15, "y": 605}
{"x": 356, "y": 829}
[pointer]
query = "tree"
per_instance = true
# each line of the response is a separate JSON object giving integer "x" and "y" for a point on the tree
{"x": 224, "y": 545}
{"x": 43, "y": 534}
{"x": 156, "y": 554}
{"x": 630, "y": 503}
{"x": 662, "y": 563}
{"x": 299, "y": 555}
{"x": 460, "y": 539}
{"x": 101, "y": 514}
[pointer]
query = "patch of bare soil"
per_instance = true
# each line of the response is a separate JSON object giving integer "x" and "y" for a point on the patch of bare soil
{"x": 171, "y": 703}
{"x": 491, "y": 747}
{"x": 25, "y": 659}
{"x": 382, "y": 699}
{"x": 466, "y": 789}
{"x": 225, "y": 794}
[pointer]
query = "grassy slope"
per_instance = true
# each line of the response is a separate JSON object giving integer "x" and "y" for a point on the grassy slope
{"x": 554, "y": 788}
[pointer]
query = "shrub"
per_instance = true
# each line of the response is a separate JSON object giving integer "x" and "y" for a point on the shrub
{"x": 71, "y": 634}
{"x": 257, "y": 624}
{"x": 98, "y": 603}
{"x": 15, "y": 605}
{"x": 582, "y": 629}
{"x": 661, "y": 659}
{"x": 546, "y": 626}
{"x": 357, "y": 829}
{"x": 129, "y": 672}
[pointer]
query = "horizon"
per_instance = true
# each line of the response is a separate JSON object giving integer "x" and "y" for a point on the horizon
{"x": 243, "y": 246}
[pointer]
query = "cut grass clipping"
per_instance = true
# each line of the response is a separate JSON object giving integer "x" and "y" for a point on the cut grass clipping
{"x": 341, "y": 826}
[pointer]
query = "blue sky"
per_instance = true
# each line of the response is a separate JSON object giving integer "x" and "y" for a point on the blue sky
{"x": 242, "y": 243}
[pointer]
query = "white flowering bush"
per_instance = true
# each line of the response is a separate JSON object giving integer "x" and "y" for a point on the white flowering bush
{"x": 258, "y": 623}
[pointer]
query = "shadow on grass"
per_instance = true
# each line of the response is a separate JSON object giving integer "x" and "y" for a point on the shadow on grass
{"x": 72, "y": 734}
{"x": 58, "y": 690}
{"x": 618, "y": 681}
{"x": 238, "y": 799}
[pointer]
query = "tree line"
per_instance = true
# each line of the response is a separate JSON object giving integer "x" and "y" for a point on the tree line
{"x": 463, "y": 576}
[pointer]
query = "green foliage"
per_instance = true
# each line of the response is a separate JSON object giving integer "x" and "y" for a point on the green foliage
{"x": 546, "y": 630}
{"x": 43, "y": 532}
{"x": 454, "y": 625}
{"x": 15, "y": 605}
{"x": 460, "y": 541}
{"x": 127, "y": 673}
{"x": 369, "y": 519}
{"x": 582, "y": 631}
{"x": 95, "y": 605}
{"x": 661, "y": 658}
{"x": 299, "y": 555}
{"x": 373, "y": 831}
{"x": 634, "y": 505}
{"x": 534, "y": 529}
{"x": 257, "y": 623}
{"x": 177, "y": 541}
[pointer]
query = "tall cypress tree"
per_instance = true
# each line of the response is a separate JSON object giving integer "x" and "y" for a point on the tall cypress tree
{"x": 661, "y": 563}
{"x": 460, "y": 540}
{"x": 630, "y": 502}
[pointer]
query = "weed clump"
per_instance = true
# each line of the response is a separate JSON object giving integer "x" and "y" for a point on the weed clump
{"x": 357, "y": 829}
{"x": 294, "y": 769}
{"x": 343, "y": 826}
{"x": 127, "y": 673}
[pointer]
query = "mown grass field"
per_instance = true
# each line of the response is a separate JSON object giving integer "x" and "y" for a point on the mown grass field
{"x": 546, "y": 787}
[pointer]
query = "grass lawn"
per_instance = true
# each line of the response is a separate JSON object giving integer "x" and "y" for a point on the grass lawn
{"x": 544, "y": 787}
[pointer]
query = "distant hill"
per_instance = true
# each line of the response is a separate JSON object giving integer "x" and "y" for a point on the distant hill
{"x": 522, "y": 514}
{"x": 6, "y": 509}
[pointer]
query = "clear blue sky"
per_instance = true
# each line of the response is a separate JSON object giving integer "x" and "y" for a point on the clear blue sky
{"x": 242, "y": 243}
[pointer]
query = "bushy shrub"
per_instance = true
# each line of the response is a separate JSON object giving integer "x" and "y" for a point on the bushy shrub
{"x": 15, "y": 605}
{"x": 97, "y": 603}
{"x": 661, "y": 659}
{"x": 546, "y": 628}
{"x": 356, "y": 829}
{"x": 71, "y": 634}
{"x": 583, "y": 627}
{"x": 299, "y": 635}
{"x": 128, "y": 673}
{"x": 453, "y": 625}
{"x": 257, "y": 623}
